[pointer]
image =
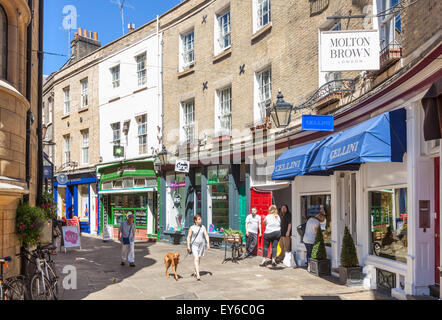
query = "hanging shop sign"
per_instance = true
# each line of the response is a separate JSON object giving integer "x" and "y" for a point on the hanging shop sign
{"x": 62, "y": 178}
{"x": 318, "y": 123}
{"x": 355, "y": 50}
{"x": 182, "y": 166}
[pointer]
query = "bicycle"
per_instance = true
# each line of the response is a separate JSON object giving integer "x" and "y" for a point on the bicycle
{"x": 12, "y": 288}
{"x": 44, "y": 282}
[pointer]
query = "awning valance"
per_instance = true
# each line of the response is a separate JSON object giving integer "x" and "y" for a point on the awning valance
{"x": 380, "y": 139}
{"x": 432, "y": 104}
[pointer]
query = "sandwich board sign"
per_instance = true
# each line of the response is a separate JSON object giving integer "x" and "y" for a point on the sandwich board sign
{"x": 71, "y": 237}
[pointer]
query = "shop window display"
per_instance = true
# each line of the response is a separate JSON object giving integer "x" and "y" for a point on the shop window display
{"x": 311, "y": 206}
{"x": 122, "y": 205}
{"x": 176, "y": 202}
{"x": 83, "y": 197}
{"x": 388, "y": 221}
{"x": 218, "y": 198}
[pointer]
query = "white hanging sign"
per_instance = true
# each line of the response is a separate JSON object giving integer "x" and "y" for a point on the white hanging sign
{"x": 355, "y": 50}
{"x": 182, "y": 166}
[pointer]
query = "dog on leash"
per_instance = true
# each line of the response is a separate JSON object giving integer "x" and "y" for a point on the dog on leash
{"x": 172, "y": 259}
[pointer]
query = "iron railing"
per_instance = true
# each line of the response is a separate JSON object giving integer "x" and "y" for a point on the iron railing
{"x": 331, "y": 87}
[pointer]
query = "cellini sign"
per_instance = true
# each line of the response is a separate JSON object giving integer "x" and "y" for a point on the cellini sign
{"x": 356, "y": 50}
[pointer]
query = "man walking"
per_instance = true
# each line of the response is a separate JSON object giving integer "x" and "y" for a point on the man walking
{"x": 253, "y": 230}
{"x": 126, "y": 235}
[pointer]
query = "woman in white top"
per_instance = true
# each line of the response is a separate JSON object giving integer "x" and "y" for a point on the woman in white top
{"x": 196, "y": 241}
{"x": 271, "y": 235}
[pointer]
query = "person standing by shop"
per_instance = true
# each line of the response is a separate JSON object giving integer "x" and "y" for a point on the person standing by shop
{"x": 126, "y": 235}
{"x": 196, "y": 240}
{"x": 253, "y": 231}
{"x": 286, "y": 232}
{"x": 311, "y": 229}
{"x": 272, "y": 235}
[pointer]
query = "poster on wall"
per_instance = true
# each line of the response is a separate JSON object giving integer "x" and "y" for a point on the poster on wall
{"x": 354, "y": 50}
{"x": 71, "y": 237}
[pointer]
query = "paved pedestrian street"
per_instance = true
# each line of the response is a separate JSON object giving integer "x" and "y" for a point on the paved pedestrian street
{"x": 101, "y": 277}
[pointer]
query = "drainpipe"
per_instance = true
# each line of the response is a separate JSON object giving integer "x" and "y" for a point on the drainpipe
{"x": 29, "y": 117}
{"x": 40, "y": 104}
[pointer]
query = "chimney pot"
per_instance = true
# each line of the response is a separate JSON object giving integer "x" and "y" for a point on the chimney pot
{"x": 85, "y": 33}
{"x": 80, "y": 31}
{"x": 95, "y": 36}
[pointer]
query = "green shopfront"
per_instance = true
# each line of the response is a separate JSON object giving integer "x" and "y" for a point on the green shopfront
{"x": 216, "y": 192}
{"x": 129, "y": 187}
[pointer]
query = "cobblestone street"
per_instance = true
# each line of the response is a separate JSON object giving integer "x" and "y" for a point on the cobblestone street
{"x": 100, "y": 277}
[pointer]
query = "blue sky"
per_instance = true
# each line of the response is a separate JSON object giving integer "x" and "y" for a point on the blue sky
{"x": 101, "y": 16}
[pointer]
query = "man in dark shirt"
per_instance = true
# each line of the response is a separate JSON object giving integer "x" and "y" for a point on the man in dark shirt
{"x": 286, "y": 232}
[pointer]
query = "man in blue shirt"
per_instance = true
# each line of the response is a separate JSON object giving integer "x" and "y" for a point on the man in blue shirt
{"x": 126, "y": 235}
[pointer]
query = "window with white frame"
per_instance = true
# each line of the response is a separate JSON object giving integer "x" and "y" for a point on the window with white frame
{"x": 390, "y": 24}
{"x": 51, "y": 109}
{"x": 115, "y": 71}
{"x": 187, "y": 51}
{"x": 188, "y": 109}
{"x": 85, "y": 146}
{"x": 67, "y": 148}
{"x": 264, "y": 79}
{"x": 84, "y": 93}
{"x": 222, "y": 31}
{"x": 142, "y": 134}
{"x": 116, "y": 133}
{"x": 141, "y": 69}
{"x": 262, "y": 13}
{"x": 225, "y": 111}
{"x": 67, "y": 100}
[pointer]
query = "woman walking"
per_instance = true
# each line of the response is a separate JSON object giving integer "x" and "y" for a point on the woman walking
{"x": 196, "y": 240}
{"x": 271, "y": 235}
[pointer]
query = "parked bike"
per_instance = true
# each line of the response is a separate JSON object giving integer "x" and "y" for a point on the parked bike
{"x": 12, "y": 288}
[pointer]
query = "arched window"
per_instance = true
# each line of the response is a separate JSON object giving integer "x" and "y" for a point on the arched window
{"x": 3, "y": 43}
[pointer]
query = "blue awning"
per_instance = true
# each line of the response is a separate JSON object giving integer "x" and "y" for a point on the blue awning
{"x": 380, "y": 139}
{"x": 294, "y": 162}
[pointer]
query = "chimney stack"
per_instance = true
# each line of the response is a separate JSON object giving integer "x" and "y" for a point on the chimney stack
{"x": 83, "y": 44}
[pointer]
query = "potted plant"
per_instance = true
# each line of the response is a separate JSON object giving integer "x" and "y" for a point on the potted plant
{"x": 319, "y": 264}
{"x": 232, "y": 236}
{"x": 350, "y": 272}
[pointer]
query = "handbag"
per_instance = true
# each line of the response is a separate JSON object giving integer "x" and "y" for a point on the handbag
{"x": 126, "y": 241}
{"x": 189, "y": 251}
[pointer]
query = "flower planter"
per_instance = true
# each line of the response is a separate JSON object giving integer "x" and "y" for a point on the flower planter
{"x": 351, "y": 276}
{"x": 233, "y": 239}
{"x": 320, "y": 268}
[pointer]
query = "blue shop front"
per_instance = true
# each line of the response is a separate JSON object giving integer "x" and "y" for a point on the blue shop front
{"x": 77, "y": 197}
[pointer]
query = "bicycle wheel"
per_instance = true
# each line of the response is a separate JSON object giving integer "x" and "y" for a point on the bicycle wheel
{"x": 15, "y": 289}
{"x": 40, "y": 288}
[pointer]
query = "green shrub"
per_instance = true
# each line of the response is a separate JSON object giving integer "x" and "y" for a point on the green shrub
{"x": 29, "y": 223}
{"x": 349, "y": 258}
{"x": 319, "y": 252}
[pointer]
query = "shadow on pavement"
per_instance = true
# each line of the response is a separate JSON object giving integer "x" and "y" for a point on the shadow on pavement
{"x": 98, "y": 265}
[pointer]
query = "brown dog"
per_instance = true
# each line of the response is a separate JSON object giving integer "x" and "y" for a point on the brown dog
{"x": 171, "y": 259}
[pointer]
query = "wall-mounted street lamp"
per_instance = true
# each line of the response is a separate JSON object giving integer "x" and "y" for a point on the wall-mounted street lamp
{"x": 161, "y": 159}
{"x": 281, "y": 112}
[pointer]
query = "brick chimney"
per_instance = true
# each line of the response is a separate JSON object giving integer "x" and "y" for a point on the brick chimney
{"x": 83, "y": 44}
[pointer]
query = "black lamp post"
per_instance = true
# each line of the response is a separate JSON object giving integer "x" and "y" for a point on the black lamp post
{"x": 281, "y": 112}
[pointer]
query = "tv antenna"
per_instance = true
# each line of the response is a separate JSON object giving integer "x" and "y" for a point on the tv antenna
{"x": 122, "y": 4}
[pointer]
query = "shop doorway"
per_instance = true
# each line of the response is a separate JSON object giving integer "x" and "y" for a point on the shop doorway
{"x": 349, "y": 202}
{"x": 262, "y": 200}
{"x": 437, "y": 220}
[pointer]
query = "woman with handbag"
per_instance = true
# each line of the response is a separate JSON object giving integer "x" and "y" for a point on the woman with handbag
{"x": 272, "y": 234}
{"x": 196, "y": 240}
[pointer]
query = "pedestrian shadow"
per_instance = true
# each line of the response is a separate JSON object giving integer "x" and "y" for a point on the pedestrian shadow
{"x": 203, "y": 273}
{"x": 98, "y": 265}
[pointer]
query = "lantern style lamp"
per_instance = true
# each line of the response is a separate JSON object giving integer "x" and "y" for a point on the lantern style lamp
{"x": 281, "y": 112}
{"x": 163, "y": 155}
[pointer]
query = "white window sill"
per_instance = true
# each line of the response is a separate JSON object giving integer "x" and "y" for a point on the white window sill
{"x": 258, "y": 32}
{"x": 67, "y": 115}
